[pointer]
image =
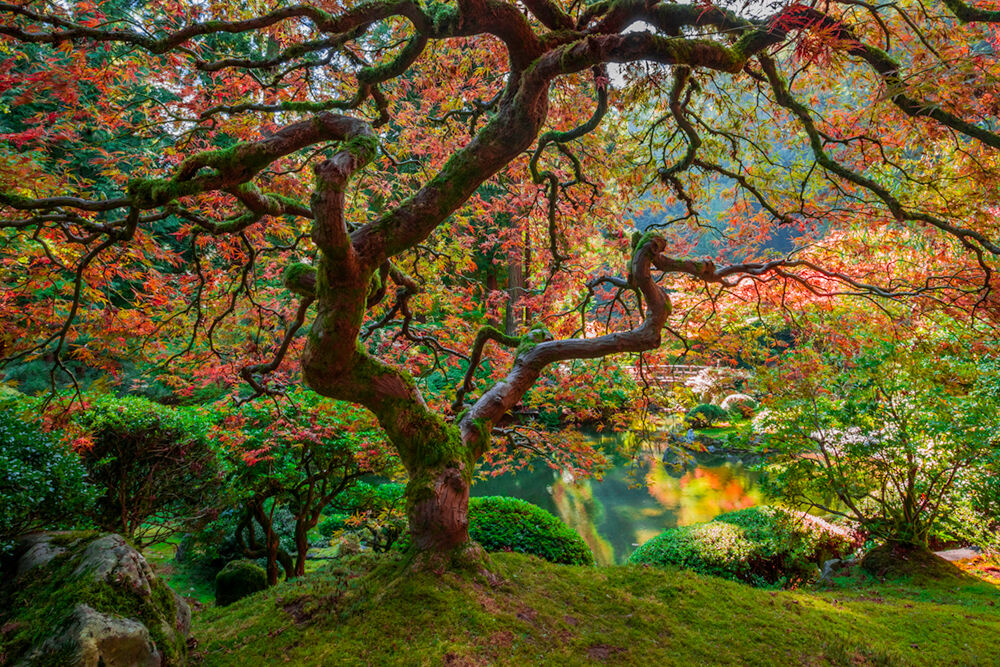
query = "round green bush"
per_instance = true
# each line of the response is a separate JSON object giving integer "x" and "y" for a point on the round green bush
{"x": 762, "y": 546}
{"x": 706, "y": 414}
{"x": 42, "y": 483}
{"x": 238, "y": 579}
{"x": 154, "y": 464}
{"x": 511, "y": 524}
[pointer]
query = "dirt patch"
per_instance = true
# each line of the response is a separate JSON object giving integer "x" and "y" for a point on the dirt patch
{"x": 527, "y": 614}
{"x": 486, "y": 601}
{"x": 502, "y": 639}
{"x": 604, "y": 652}
{"x": 569, "y": 620}
{"x": 300, "y": 610}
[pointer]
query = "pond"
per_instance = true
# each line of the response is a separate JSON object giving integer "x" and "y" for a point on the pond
{"x": 635, "y": 500}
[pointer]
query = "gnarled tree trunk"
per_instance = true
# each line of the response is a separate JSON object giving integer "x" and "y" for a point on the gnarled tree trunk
{"x": 438, "y": 507}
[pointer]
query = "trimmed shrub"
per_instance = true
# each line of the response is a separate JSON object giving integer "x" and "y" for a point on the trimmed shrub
{"x": 238, "y": 579}
{"x": 510, "y": 524}
{"x": 706, "y": 414}
{"x": 153, "y": 465}
{"x": 763, "y": 546}
{"x": 42, "y": 483}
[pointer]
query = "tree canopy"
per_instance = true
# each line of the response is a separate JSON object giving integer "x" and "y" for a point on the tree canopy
{"x": 157, "y": 201}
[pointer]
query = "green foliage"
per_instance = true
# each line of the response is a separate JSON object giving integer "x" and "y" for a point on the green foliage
{"x": 153, "y": 464}
{"x": 376, "y": 511}
{"x": 705, "y": 415}
{"x": 333, "y": 524}
{"x": 762, "y": 546}
{"x": 42, "y": 484}
{"x": 896, "y": 437}
{"x": 510, "y": 524}
{"x": 293, "y": 458}
{"x": 238, "y": 579}
{"x": 226, "y": 538}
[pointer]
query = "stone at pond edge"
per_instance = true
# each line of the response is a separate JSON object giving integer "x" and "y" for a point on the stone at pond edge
{"x": 86, "y": 599}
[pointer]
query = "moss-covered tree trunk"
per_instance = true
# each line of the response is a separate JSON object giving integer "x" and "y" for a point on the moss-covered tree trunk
{"x": 438, "y": 506}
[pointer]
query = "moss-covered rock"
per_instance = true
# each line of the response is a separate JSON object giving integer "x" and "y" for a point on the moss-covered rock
{"x": 238, "y": 579}
{"x": 88, "y": 599}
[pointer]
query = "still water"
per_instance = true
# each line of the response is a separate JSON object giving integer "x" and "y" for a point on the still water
{"x": 635, "y": 500}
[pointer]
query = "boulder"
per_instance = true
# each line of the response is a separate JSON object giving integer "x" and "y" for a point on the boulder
{"x": 87, "y": 599}
{"x": 99, "y": 639}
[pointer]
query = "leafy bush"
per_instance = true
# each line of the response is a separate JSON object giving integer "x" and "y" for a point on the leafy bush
{"x": 762, "y": 546}
{"x": 897, "y": 434}
{"x": 297, "y": 456}
{"x": 333, "y": 524}
{"x": 238, "y": 579}
{"x": 509, "y": 524}
{"x": 706, "y": 414}
{"x": 152, "y": 464}
{"x": 376, "y": 511}
{"x": 42, "y": 484}
{"x": 228, "y": 538}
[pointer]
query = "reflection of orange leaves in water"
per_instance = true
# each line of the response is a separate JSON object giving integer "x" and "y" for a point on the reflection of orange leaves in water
{"x": 661, "y": 486}
{"x": 708, "y": 492}
{"x": 701, "y": 494}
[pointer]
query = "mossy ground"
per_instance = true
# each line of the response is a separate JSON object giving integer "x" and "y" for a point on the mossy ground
{"x": 372, "y": 611}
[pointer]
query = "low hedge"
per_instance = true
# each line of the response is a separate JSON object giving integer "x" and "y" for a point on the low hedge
{"x": 763, "y": 546}
{"x": 510, "y": 524}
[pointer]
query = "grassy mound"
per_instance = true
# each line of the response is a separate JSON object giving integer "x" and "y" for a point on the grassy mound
{"x": 895, "y": 562}
{"x": 371, "y": 611}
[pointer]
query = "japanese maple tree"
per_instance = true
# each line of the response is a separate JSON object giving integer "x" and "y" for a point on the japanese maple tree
{"x": 434, "y": 131}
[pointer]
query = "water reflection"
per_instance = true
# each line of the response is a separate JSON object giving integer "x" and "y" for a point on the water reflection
{"x": 635, "y": 501}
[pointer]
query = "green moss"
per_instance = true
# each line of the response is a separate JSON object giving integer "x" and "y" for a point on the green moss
{"x": 304, "y": 106}
{"x": 45, "y": 597}
{"x": 372, "y": 611}
{"x": 156, "y": 191}
{"x": 16, "y": 201}
{"x": 287, "y": 201}
{"x": 294, "y": 278}
{"x": 442, "y": 15}
{"x": 530, "y": 340}
{"x": 396, "y": 65}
